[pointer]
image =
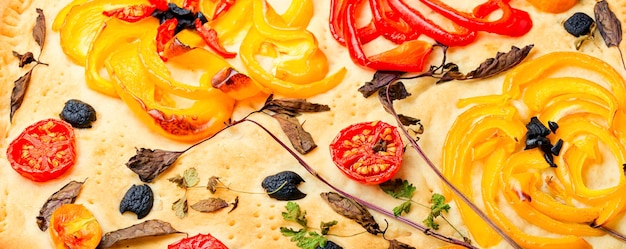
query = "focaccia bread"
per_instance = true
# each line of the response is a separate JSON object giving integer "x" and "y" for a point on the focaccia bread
{"x": 587, "y": 179}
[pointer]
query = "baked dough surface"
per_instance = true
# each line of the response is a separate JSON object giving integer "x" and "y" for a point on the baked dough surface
{"x": 244, "y": 154}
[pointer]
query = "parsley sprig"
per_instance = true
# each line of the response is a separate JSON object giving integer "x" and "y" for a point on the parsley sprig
{"x": 305, "y": 238}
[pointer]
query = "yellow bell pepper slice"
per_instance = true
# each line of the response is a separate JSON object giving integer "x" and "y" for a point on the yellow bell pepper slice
{"x": 190, "y": 122}
{"x": 113, "y": 33}
{"x": 301, "y": 74}
{"x": 82, "y": 24}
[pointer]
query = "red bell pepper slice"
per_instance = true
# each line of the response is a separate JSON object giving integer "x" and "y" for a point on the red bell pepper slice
{"x": 390, "y": 23}
{"x": 192, "y": 5}
{"x": 209, "y": 36}
{"x": 408, "y": 57}
{"x": 132, "y": 13}
{"x": 159, "y": 4}
{"x": 221, "y": 7}
{"x": 414, "y": 18}
{"x": 337, "y": 15}
{"x": 165, "y": 33}
{"x": 513, "y": 22}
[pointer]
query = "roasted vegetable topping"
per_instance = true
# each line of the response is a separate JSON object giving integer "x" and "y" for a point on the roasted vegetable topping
{"x": 139, "y": 200}
{"x": 283, "y": 186}
{"x": 74, "y": 226}
{"x": 78, "y": 113}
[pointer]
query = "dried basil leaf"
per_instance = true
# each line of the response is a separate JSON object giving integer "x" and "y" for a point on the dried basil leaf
{"x": 407, "y": 121}
{"x": 300, "y": 139}
{"x": 180, "y": 207}
{"x": 191, "y": 177}
{"x": 398, "y": 188}
{"x": 609, "y": 25}
{"x": 396, "y": 91}
{"x": 209, "y": 205}
{"x": 381, "y": 79}
{"x": 394, "y": 244}
{"x": 293, "y": 107}
{"x": 491, "y": 66}
{"x": 178, "y": 180}
{"x": 212, "y": 185}
{"x": 19, "y": 91}
{"x": 25, "y": 59}
{"x": 148, "y": 163}
{"x": 147, "y": 228}
{"x": 352, "y": 210}
{"x": 39, "y": 31}
{"x": 66, "y": 195}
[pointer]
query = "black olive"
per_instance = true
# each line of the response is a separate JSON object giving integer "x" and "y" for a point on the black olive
{"x": 78, "y": 113}
{"x": 283, "y": 186}
{"x": 556, "y": 149}
{"x": 139, "y": 200}
{"x": 185, "y": 24}
{"x": 202, "y": 18}
{"x": 578, "y": 24}
{"x": 536, "y": 128}
{"x": 330, "y": 245}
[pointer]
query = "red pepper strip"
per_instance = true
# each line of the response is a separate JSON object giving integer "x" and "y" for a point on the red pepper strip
{"x": 408, "y": 57}
{"x": 165, "y": 33}
{"x": 429, "y": 28}
{"x": 132, "y": 13}
{"x": 390, "y": 24}
{"x": 221, "y": 7}
{"x": 485, "y": 9}
{"x": 513, "y": 22}
{"x": 209, "y": 36}
{"x": 159, "y": 4}
{"x": 192, "y": 5}
{"x": 337, "y": 10}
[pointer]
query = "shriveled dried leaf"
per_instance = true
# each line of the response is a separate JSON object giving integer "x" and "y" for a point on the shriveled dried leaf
{"x": 209, "y": 205}
{"x": 294, "y": 107}
{"x": 406, "y": 120}
{"x": 609, "y": 25}
{"x": 25, "y": 59}
{"x": 394, "y": 244}
{"x": 380, "y": 80}
{"x": 235, "y": 204}
{"x": 148, "y": 163}
{"x": 19, "y": 92}
{"x": 178, "y": 180}
{"x": 66, "y": 195}
{"x": 490, "y": 67}
{"x": 352, "y": 210}
{"x": 180, "y": 207}
{"x": 300, "y": 139}
{"x": 39, "y": 31}
{"x": 212, "y": 185}
{"x": 147, "y": 228}
{"x": 396, "y": 91}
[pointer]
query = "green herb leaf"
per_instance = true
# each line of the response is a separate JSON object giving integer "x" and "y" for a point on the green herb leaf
{"x": 295, "y": 235}
{"x": 312, "y": 241}
{"x": 191, "y": 177}
{"x": 180, "y": 207}
{"x": 405, "y": 207}
{"x": 325, "y": 226}
{"x": 398, "y": 188}
{"x": 438, "y": 205}
{"x": 295, "y": 214}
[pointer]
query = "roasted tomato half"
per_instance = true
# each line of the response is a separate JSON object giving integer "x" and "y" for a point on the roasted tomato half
{"x": 200, "y": 241}
{"x": 74, "y": 226}
{"x": 369, "y": 152}
{"x": 44, "y": 150}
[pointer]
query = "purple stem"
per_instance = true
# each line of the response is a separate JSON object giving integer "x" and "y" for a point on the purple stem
{"x": 419, "y": 227}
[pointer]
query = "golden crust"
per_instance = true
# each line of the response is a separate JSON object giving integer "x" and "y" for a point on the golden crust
{"x": 244, "y": 154}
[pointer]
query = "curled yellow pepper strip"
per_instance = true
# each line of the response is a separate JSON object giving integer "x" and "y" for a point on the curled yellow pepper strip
{"x": 590, "y": 115}
{"x": 161, "y": 112}
{"x": 301, "y": 70}
{"x": 113, "y": 33}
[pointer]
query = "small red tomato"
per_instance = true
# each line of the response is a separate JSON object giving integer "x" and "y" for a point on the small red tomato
{"x": 369, "y": 152}
{"x": 44, "y": 150}
{"x": 200, "y": 241}
{"x": 74, "y": 226}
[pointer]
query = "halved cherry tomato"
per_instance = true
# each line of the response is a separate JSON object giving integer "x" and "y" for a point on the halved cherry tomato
{"x": 200, "y": 241}
{"x": 369, "y": 152}
{"x": 74, "y": 226}
{"x": 44, "y": 150}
